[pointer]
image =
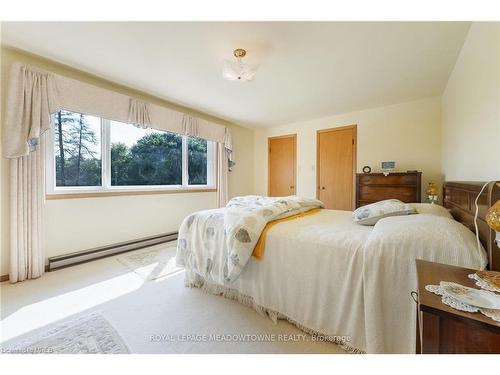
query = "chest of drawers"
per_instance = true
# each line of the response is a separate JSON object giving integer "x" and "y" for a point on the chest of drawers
{"x": 374, "y": 187}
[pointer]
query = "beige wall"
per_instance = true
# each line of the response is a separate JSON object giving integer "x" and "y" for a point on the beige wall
{"x": 407, "y": 133}
{"x": 77, "y": 224}
{"x": 471, "y": 108}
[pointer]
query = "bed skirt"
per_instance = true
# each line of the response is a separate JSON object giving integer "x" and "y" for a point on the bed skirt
{"x": 195, "y": 281}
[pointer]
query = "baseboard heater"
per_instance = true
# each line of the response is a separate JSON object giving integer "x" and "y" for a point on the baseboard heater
{"x": 77, "y": 257}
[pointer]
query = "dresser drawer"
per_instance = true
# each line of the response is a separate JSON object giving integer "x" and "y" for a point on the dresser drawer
{"x": 392, "y": 179}
{"x": 376, "y": 187}
{"x": 377, "y": 193}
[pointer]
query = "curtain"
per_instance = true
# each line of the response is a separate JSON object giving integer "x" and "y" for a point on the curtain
{"x": 32, "y": 97}
{"x": 27, "y": 192}
{"x": 60, "y": 92}
{"x": 30, "y": 101}
{"x": 139, "y": 114}
{"x": 222, "y": 171}
{"x": 228, "y": 144}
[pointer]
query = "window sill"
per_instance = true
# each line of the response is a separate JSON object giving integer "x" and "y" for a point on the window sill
{"x": 108, "y": 193}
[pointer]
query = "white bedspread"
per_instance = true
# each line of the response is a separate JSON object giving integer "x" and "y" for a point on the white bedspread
{"x": 342, "y": 279}
{"x": 311, "y": 272}
{"x": 390, "y": 275}
{"x": 217, "y": 244}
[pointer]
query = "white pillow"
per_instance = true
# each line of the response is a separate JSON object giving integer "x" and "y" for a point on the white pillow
{"x": 370, "y": 214}
{"x": 431, "y": 209}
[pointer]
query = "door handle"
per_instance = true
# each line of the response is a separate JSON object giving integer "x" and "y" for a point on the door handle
{"x": 291, "y": 186}
{"x": 323, "y": 188}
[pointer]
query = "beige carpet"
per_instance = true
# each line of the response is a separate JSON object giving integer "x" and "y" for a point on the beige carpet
{"x": 152, "y": 264}
{"x": 157, "y": 316}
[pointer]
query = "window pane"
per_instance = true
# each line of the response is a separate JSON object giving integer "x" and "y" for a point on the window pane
{"x": 77, "y": 149}
{"x": 144, "y": 156}
{"x": 197, "y": 161}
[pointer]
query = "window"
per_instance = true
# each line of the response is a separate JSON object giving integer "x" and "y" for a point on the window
{"x": 77, "y": 149}
{"x": 144, "y": 156}
{"x": 90, "y": 154}
{"x": 197, "y": 161}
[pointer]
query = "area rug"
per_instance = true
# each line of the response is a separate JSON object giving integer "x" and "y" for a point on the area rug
{"x": 152, "y": 264}
{"x": 88, "y": 334}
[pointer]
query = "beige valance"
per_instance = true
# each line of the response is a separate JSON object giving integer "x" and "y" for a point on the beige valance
{"x": 190, "y": 125}
{"x": 138, "y": 114}
{"x": 52, "y": 92}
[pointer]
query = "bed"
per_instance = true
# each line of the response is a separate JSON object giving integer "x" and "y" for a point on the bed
{"x": 332, "y": 278}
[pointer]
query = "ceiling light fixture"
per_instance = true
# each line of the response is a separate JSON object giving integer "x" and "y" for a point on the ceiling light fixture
{"x": 238, "y": 70}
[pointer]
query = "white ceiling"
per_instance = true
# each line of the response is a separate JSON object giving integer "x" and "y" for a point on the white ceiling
{"x": 306, "y": 69}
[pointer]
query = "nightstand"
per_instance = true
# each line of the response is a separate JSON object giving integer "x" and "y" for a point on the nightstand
{"x": 442, "y": 329}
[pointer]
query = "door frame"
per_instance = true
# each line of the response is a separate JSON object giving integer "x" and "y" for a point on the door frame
{"x": 354, "y": 127}
{"x": 269, "y": 139}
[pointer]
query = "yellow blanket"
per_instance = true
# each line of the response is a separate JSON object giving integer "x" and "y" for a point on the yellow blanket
{"x": 258, "y": 251}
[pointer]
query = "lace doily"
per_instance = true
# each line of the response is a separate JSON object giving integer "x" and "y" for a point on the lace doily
{"x": 483, "y": 284}
{"x": 459, "y": 305}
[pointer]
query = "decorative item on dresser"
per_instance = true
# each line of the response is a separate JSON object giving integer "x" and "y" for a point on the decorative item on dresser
{"x": 374, "y": 187}
{"x": 432, "y": 192}
{"x": 443, "y": 329}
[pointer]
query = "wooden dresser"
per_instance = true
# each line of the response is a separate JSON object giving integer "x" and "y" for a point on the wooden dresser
{"x": 374, "y": 187}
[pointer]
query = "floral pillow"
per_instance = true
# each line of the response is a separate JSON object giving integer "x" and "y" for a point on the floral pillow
{"x": 370, "y": 214}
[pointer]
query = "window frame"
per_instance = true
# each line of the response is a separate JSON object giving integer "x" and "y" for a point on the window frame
{"x": 106, "y": 189}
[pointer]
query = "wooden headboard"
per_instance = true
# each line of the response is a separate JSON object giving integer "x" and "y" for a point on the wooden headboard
{"x": 459, "y": 198}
